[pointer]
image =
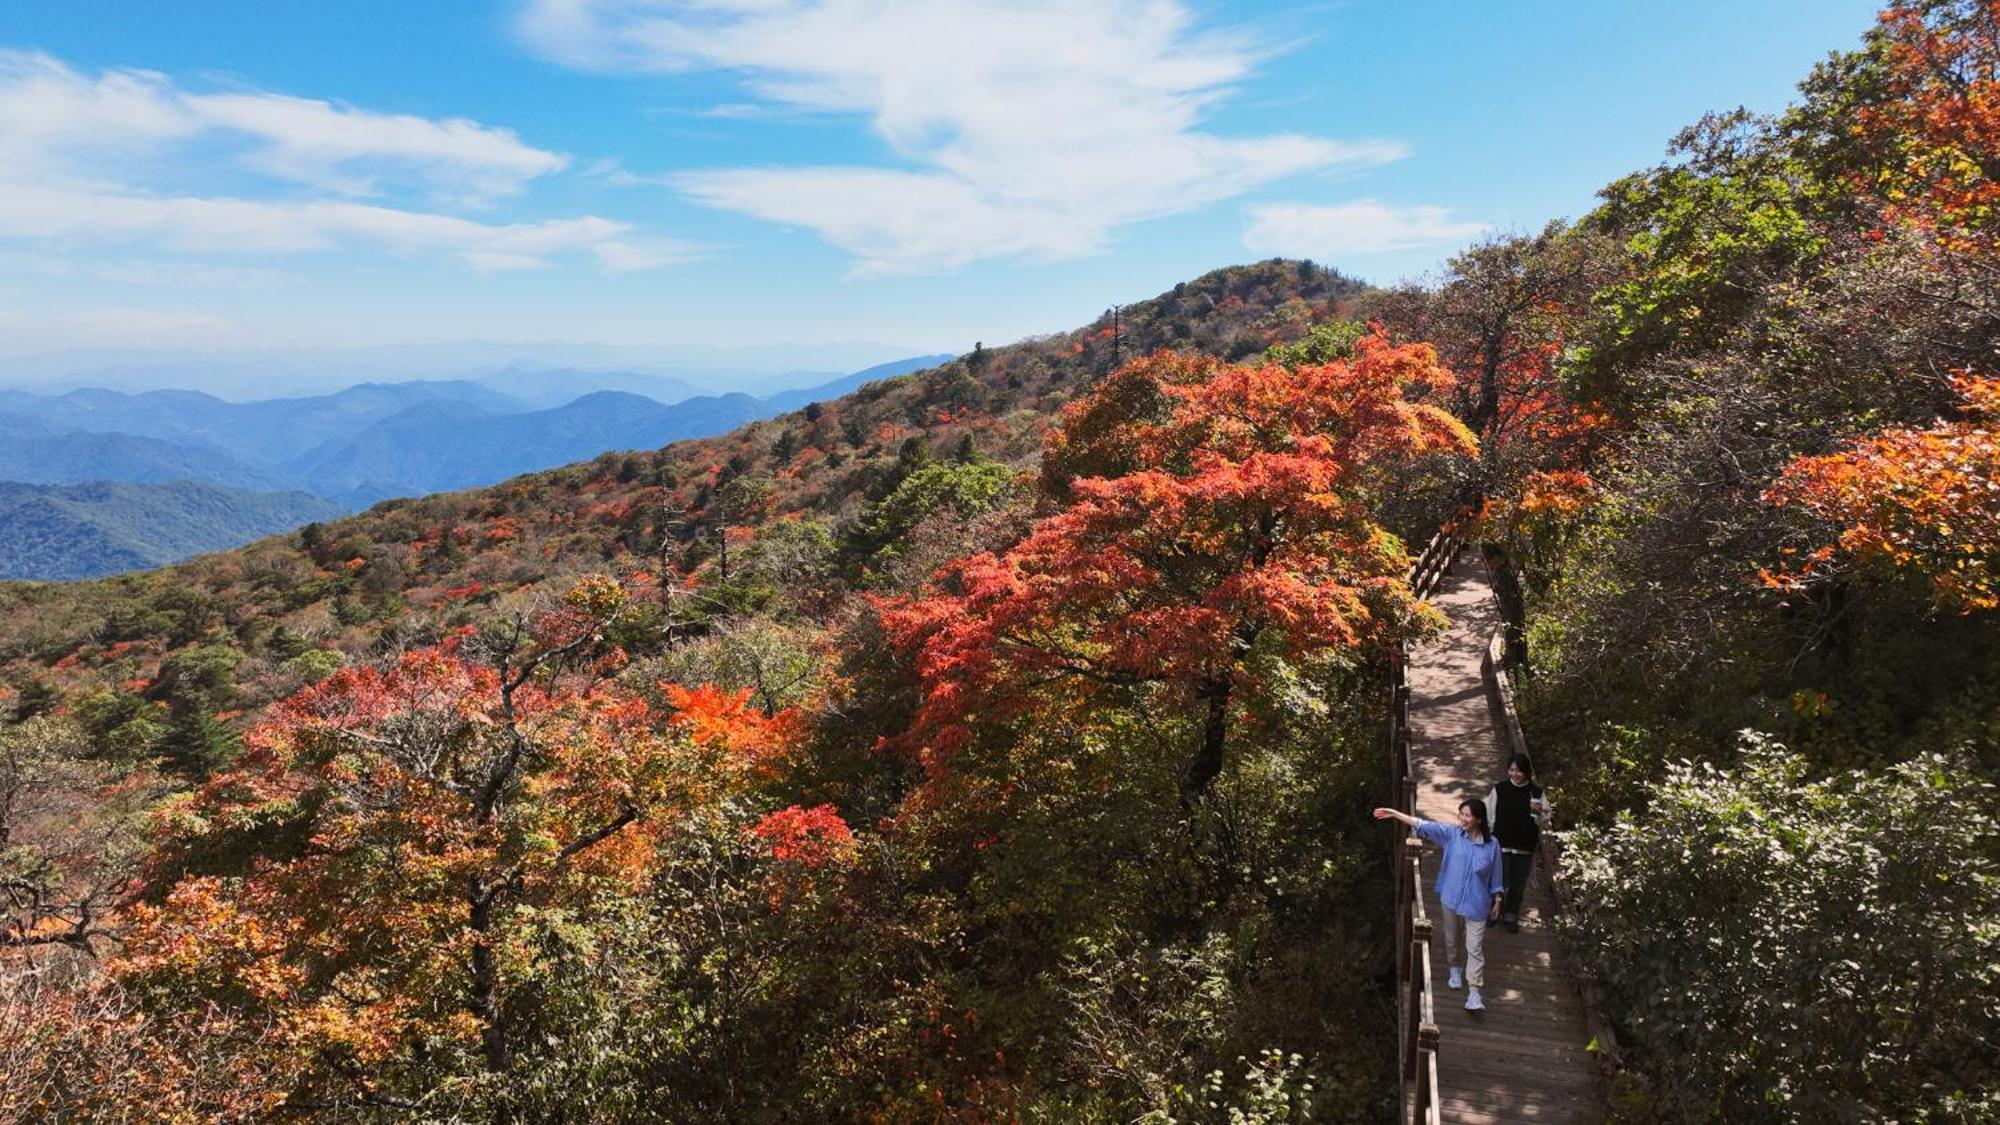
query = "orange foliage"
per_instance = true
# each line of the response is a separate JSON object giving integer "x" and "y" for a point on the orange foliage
{"x": 396, "y": 831}
{"x": 725, "y": 720}
{"x": 1937, "y": 123}
{"x": 1564, "y": 492}
{"x": 1538, "y": 416}
{"x": 1927, "y": 500}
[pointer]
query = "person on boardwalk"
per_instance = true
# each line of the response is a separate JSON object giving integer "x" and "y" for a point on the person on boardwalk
{"x": 1468, "y": 885}
{"x": 1515, "y": 807}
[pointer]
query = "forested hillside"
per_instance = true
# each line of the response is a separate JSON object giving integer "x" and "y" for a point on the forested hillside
{"x": 366, "y": 443}
{"x": 728, "y": 632}
{"x": 997, "y": 741}
{"x": 84, "y": 530}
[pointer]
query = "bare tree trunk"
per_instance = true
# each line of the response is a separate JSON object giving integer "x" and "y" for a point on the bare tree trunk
{"x": 486, "y": 983}
{"x": 1207, "y": 763}
{"x": 1492, "y": 352}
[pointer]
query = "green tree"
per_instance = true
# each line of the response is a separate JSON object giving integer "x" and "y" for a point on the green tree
{"x": 961, "y": 489}
{"x": 197, "y": 684}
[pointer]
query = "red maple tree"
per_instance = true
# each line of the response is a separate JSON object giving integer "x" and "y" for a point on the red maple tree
{"x": 1207, "y": 512}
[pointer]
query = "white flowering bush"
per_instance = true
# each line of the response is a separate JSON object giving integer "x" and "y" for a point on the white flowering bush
{"x": 1782, "y": 949}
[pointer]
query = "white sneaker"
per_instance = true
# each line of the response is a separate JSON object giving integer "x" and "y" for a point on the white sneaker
{"x": 1457, "y": 977}
{"x": 1473, "y": 1003}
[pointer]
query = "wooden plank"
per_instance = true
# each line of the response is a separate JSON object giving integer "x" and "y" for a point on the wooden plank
{"x": 1543, "y": 1040}
{"x": 1479, "y": 1111}
{"x": 1523, "y": 1076}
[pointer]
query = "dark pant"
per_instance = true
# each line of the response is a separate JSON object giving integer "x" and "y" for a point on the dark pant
{"x": 1515, "y": 867}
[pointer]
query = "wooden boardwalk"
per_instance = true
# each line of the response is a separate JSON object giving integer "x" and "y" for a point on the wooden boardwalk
{"x": 1524, "y": 1058}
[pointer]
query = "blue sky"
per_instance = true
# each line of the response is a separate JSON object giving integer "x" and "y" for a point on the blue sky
{"x": 918, "y": 175}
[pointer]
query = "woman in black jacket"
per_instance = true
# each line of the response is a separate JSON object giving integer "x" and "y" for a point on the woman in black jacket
{"x": 1515, "y": 807}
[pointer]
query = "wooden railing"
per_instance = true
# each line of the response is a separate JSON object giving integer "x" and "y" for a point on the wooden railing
{"x": 1416, "y": 1015}
{"x": 1604, "y": 1039}
{"x": 1417, "y": 1026}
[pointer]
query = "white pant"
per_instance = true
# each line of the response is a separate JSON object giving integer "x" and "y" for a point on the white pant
{"x": 1475, "y": 946}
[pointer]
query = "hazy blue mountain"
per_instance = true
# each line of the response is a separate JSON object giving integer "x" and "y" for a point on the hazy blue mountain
{"x": 377, "y": 440}
{"x": 441, "y": 446}
{"x": 786, "y": 401}
{"x": 549, "y": 387}
{"x": 15, "y": 427}
{"x": 89, "y": 530}
{"x": 168, "y": 415}
{"x": 29, "y": 454}
{"x": 269, "y": 430}
{"x": 293, "y": 424}
{"x": 254, "y": 374}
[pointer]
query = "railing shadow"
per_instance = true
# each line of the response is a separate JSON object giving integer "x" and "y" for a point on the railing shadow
{"x": 1603, "y": 1036}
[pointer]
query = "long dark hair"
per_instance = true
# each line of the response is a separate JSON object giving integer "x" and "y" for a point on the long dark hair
{"x": 1479, "y": 814}
{"x": 1527, "y": 767}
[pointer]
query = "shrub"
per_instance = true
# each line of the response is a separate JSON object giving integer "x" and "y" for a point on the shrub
{"x": 1783, "y": 948}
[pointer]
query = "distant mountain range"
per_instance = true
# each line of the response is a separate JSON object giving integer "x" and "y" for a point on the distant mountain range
{"x": 441, "y": 446}
{"x": 758, "y": 369}
{"x": 88, "y": 530}
{"x": 266, "y": 431}
{"x": 348, "y": 449}
{"x": 31, "y": 453}
{"x": 545, "y": 387}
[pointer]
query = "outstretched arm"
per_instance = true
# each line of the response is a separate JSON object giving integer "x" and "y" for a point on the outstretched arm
{"x": 1392, "y": 814}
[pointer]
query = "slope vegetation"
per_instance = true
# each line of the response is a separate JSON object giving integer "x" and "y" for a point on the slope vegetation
{"x": 98, "y": 528}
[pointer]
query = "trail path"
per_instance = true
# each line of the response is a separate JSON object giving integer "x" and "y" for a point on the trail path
{"x": 1524, "y": 1058}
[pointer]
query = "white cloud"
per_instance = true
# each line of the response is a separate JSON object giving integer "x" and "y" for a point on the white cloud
{"x": 283, "y": 227}
{"x": 51, "y": 116}
{"x": 93, "y": 162}
{"x": 501, "y": 261}
{"x": 1032, "y": 128}
{"x": 348, "y": 151}
{"x": 1346, "y": 229}
{"x": 144, "y": 272}
{"x": 55, "y": 121}
{"x": 628, "y": 257}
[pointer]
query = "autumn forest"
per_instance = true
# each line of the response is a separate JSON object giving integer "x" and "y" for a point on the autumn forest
{"x": 997, "y": 742}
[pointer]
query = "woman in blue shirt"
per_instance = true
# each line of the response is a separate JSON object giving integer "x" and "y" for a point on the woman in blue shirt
{"x": 1469, "y": 885}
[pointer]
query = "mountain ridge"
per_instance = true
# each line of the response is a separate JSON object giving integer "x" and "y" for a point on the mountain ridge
{"x": 822, "y": 461}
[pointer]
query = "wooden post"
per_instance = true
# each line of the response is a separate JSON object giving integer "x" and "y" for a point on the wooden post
{"x": 1427, "y": 1034}
{"x": 1396, "y": 769}
{"x": 1419, "y": 1030}
{"x": 1409, "y": 890}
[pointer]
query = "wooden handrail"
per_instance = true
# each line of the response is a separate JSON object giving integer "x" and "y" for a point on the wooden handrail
{"x": 1548, "y": 857}
{"x": 1417, "y": 1030}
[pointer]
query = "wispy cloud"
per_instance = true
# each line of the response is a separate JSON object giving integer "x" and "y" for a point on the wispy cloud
{"x": 92, "y": 161}
{"x": 163, "y": 273}
{"x": 284, "y": 227}
{"x": 1346, "y": 229}
{"x": 57, "y": 121}
{"x": 112, "y": 326}
{"x": 349, "y": 151}
{"x": 1031, "y": 129}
